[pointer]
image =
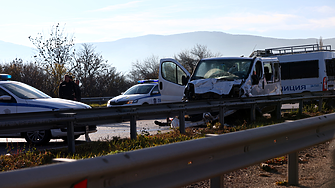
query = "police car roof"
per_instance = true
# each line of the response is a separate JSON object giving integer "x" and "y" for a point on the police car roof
{"x": 147, "y": 81}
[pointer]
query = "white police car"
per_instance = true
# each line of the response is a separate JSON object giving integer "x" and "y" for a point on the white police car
{"x": 146, "y": 92}
{"x": 17, "y": 97}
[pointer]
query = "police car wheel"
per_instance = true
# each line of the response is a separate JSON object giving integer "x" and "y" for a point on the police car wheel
{"x": 38, "y": 137}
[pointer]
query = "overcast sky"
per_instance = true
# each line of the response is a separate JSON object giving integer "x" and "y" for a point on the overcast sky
{"x": 110, "y": 20}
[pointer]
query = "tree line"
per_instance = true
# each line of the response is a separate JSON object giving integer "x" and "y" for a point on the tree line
{"x": 56, "y": 56}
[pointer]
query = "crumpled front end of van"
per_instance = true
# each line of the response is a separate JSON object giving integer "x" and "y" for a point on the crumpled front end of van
{"x": 212, "y": 88}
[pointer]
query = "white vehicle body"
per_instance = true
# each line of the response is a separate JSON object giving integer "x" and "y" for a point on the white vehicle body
{"x": 139, "y": 94}
{"x": 220, "y": 78}
{"x": 16, "y": 97}
{"x": 304, "y": 68}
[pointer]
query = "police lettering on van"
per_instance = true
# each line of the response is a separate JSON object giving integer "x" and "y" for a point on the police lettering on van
{"x": 304, "y": 68}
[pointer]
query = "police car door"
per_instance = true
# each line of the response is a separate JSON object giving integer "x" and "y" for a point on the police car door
{"x": 8, "y": 104}
{"x": 171, "y": 74}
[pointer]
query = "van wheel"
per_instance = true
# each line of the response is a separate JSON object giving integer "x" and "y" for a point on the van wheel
{"x": 37, "y": 137}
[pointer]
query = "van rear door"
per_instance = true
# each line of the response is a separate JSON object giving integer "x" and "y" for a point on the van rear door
{"x": 171, "y": 74}
{"x": 330, "y": 70}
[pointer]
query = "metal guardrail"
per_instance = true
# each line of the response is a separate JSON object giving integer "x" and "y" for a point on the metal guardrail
{"x": 99, "y": 100}
{"x": 54, "y": 119}
{"x": 180, "y": 164}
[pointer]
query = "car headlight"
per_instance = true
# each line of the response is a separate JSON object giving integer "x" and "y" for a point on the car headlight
{"x": 132, "y": 101}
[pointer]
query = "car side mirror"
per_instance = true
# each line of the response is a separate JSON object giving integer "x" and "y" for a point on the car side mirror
{"x": 154, "y": 92}
{"x": 5, "y": 98}
{"x": 184, "y": 80}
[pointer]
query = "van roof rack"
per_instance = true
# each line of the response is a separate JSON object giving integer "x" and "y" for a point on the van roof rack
{"x": 290, "y": 50}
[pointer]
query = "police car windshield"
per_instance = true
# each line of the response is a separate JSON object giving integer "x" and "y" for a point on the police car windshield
{"x": 229, "y": 69}
{"x": 139, "y": 89}
{"x": 24, "y": 91}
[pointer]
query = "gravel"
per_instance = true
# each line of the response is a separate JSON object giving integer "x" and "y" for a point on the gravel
{"x": 315, "y": 170}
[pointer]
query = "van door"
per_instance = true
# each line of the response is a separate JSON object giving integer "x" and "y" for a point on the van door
{"x": 257, "y": 88}
{"x": 171, "y": 74}
{"x": 272, "y": 78}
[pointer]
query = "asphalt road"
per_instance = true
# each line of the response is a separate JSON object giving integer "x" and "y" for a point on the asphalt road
{"x": 104, "y": 132}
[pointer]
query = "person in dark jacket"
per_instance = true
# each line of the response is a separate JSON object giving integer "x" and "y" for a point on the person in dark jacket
{"x": 77, "y": 91}
{"x": 67, "y": 88}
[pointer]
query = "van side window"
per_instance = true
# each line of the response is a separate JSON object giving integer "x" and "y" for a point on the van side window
{"x": 258, "y": 68}
{"x": 268, "y": 72}
{"x": 301, "y": 69}
{"x": 330, "y": 66}
{"x": 171, "y": 72}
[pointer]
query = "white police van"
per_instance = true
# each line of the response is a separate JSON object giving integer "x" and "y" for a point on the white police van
{"x": 17, "y": 97}
{"x": 145, "y": 92}
{"x": 304, "y": 68}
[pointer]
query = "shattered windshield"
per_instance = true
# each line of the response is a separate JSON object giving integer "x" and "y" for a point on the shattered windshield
{"x": 230, "y": 69}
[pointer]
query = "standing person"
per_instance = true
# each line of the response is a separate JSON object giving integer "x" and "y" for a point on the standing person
{"x": 66, "y": 88}
{"x": 77, "y": 90}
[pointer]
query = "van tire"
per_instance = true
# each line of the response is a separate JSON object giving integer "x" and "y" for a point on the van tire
{"x": 37, "y": 137}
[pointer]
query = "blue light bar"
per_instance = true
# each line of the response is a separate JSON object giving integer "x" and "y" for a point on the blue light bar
{"x": 147, "y": 81}
{"x": 5, "y": 76}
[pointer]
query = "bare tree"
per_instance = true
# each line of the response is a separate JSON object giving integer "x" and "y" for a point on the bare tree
{"x": 55, "y": 52}
{"x": 28, "y": 73}
{"x": 190, "y": 58}
{"x": 147, "y": 69}
{"x": 97, "y": 77}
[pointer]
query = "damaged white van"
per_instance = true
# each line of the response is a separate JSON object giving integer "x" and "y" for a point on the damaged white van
{"x": 221, "y": 77}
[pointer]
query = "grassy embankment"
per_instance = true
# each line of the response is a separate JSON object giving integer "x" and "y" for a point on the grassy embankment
{"x": 29, "y": 156}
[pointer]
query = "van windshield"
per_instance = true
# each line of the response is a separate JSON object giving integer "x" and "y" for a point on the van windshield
{"x": 230, "y": 69}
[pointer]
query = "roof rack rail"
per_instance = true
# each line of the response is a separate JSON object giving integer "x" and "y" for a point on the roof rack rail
{"x": 291, "y": 50}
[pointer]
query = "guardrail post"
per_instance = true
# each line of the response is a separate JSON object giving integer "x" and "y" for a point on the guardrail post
{"x": 253, "y": 112}
{"x": 70, "y": 133}
{"x": 182, "y": 122}
{"x": 293, "y": 168}
{"x": 217, "y": 182}
{"x": 278, "y": 110}
{"x": 221, "y": 115}
{"x": 133, "y": 131}
{"x": 320, "y": 104}
{"x": 301, "y": 103}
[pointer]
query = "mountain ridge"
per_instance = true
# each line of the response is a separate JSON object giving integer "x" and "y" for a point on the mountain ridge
{"x": 122, "y": 53}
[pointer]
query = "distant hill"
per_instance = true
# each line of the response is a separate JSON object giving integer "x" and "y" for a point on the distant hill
{"x": 122, "y": 53}
{"x": 10, "y": 51}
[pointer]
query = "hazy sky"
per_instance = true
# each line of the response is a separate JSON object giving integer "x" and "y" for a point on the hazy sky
{"x": 110, "y": 20}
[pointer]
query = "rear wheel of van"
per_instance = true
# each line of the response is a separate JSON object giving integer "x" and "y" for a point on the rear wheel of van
{"x": 38, "y": 137}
